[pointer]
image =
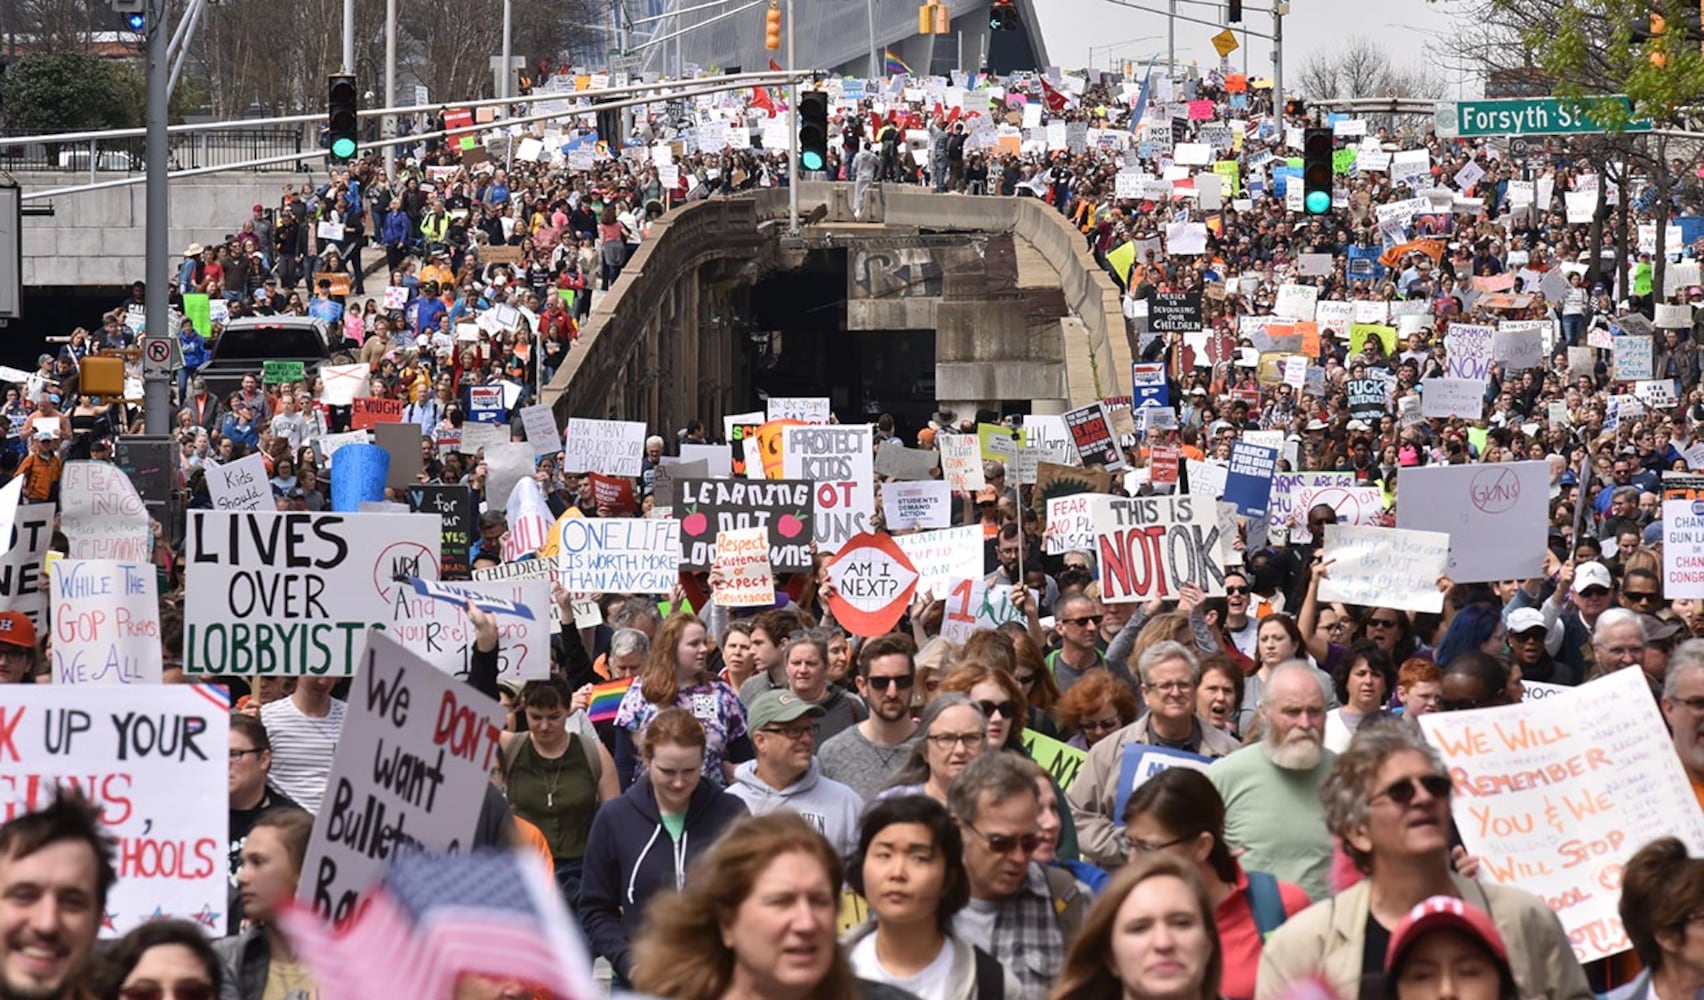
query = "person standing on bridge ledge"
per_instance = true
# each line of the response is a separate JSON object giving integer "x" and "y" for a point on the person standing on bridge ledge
{"x": 866, "y": 167}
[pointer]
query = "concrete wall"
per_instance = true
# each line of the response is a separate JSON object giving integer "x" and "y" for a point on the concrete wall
{"x": 98, "y": 237}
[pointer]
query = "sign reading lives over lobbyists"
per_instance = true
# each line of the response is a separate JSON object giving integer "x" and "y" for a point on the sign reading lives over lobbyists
{"x": 1151, "y": 546}
{"x": 293, "y": 593}
{"x": 618, "y": 555}
{"x": 706, "y": 507}
{"x": 409, "y": 773}
{"x": 146, "y": 756}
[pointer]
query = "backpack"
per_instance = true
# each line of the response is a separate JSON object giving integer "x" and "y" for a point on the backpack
{"x": 990, "y": 976}
{"x": 1068, "y": 903}
{"x": 1265, "y": 902}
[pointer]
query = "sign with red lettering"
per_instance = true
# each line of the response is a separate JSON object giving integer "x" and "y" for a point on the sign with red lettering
{"x": 146, "y": 756}
{"x": 1151, "y": 546}
{"x": 365, "y": 411}
{"x": 613, "y": 496}
{"x": 874, "y": 582}
{"x": 409, "y": 773}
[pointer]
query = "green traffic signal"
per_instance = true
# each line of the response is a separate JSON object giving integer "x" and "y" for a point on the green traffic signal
{"x": 1318, "y": 203}
{"x": 810, "y": 159}
{"x": 343, "y": 148}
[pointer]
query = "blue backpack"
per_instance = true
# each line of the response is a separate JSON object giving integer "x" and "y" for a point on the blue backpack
{"x": 1266, "y": 903}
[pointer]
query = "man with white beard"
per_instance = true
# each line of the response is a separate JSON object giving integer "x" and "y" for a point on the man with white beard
{"x": 1271, "y": 789}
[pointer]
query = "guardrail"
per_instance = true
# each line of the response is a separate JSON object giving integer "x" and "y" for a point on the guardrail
{"x": 188, "y": 151}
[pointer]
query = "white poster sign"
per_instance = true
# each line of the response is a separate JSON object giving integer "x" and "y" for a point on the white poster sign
{"x": 838, "y": 461}
{"x": 1452, "y": 397}
{"x": 1070, "y": 523}
{"x": 810, "y": 409}
{"x": 440, "y": 633}
{"x": 609, "y": 447}
{"x": 922, "y": 503}
{"x": 101, "y": 513}
{"x": 620, "y": 555}
{"x": 746, "y": 578}
{"x": 240, "y": 485}
{"x": 942, "y": 558}
{"x": 1384, "y": 567}
{"x": 106, "y": 622}
{"x": 1496, "y": 515}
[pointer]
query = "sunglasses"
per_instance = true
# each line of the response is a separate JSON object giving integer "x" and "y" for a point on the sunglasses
{"x": 1402, "y": 792}
{"x": 1005, "y": 843}
{"x": 1640, "y": 596}
{"x": 1083, "y": 622}
{"x": 1594, "y": 592}
{"x": 903, "y": 682}
{"x": 1236, "y": 590}
{"x": 1383, "y": 623}
{"x": 1099, "y": 725}
{"x": 177, "y": 991}
{"x": 1006, "y": 709}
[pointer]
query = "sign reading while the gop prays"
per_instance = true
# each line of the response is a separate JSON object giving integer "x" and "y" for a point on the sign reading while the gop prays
{"x": 1151, "y": 546}
{"x": 1554, "y": 795}
{"x": 106, "y": 622}
{"x": 147, "y": 756}
{"x": 293, "y": 593}
{"x": 409, "y": 773}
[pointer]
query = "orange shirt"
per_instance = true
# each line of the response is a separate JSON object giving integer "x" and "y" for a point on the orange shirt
{"x": 39, "y": 475}
{"x": 1697, "y": 789}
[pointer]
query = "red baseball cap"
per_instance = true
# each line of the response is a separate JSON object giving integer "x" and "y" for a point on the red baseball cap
{"x": 17, "y": 630}
{"x": 1445, "y": 913}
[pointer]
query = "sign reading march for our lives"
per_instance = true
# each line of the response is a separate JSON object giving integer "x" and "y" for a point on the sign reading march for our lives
{"x": 1384, "y": 567}
{"x": 1248, "y": 484}
{"x": 610, "y": 447}
{"x": 1496, "y": 516}
{"x": 293, "y": 593}
{"x": 430, "y": 620}
{"x": 618, "y": 555}
{"x": 1555, "y": 795}
{"x": 1139, "y": 762}
{"x": 23, "y": 582}
{"x": 106, "y": 622}
{"x": 1151, "y": 546}
{"x": 838, "y": 459}
{"x": 146, "y": 756}
{"x": 706, "y": 507}
{"x": 409, "y": 773}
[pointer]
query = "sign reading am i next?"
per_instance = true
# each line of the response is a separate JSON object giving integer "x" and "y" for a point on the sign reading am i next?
{"x": 1536, "y": 116}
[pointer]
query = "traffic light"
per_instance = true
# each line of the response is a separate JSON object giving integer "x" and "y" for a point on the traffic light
{"x": 1316, "y": 171}
{"x": 772, "y": 27}
{"x": 1003, "y": 16}
{"x": 342, "y": 136}
{"x": 1234, "y": 14}
{"x": 813, "y": 130}
{"x": 1295, "y": 107}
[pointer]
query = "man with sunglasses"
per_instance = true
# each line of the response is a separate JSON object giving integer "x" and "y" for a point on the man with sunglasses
{"x": 1532, "y": 643}
{"x": 1592, "y": 591}
{"x": 1077, "y": 621}
{"x": 785, "y": 775}
{"x": 865, "y": 756}
{"x": 1240, "y": 626}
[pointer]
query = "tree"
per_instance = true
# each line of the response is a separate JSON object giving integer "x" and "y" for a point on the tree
{"x": 67, "y": 92}
{"x": 1361, "y": 68}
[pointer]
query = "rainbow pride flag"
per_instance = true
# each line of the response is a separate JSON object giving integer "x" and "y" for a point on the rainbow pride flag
{"x": 895, "y": 65}
{"x": 606, "y": 698}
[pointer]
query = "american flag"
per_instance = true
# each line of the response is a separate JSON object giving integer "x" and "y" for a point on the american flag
{"x": 436, "y": 918}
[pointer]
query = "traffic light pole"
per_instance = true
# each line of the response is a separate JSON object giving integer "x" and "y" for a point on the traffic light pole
{"x": 792, "y": 132}
{"x": 156, "y": 390}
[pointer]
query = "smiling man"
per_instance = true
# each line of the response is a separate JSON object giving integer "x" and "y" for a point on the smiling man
{"x": 55, "y": 872}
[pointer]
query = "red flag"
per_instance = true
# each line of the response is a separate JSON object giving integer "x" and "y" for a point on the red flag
{"x": 760, "y": 99}
{"x": 875, "y": 124}
{"x": 774, "y": 67}
{"x": 1056, "y": 102}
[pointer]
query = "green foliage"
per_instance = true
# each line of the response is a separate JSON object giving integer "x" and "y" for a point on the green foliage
{"x": 1592, "y": 47}
{"x": 68, "y": 92}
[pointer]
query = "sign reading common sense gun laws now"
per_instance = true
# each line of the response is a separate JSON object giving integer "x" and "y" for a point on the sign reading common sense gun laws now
{"x": 409, "y": 773}
{"x": 294, "y": 593}
{"x": 784, "y": 507}
{"x": 153, "y": 758}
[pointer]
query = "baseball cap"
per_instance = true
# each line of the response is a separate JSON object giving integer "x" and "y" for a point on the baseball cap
{"x": 1659, "y": 629}
{"x": 1524, "y": 620}
{"x": 17, "y": 630}
{"x": 1592, "y": 574}
{"x": 770, "y": 708}
{"x": 1446, "y": 913}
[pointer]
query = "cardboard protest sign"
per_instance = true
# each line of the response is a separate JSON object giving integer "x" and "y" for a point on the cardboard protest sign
{"x": 1047, "y": 433}
{"x": 293, "y": 594}
{"x": 1452, "y": 397}
{"x": 438, "y": 630}
{"x": 23, "y": 582}
{"x": 1519, "y": 344}
{"x": 943, "y": 558}
{"x": 369, "y": 411}
{"x": 101, "y": 514}
{"x": 240, "y": 485}
{"x": 612, "y": 447}
{"x": 1384, "y": 567}
{"x": 1091, "y": 431}
{"x": 1633, "y": 358}
{"x": 707, "y": 507}
{"x": 106, "y": 622}
{"x": 742, "y": 566}
{"x": 453, "y": 506}
{"x": 961, "y": 461}
{"x": 874, "y": 583}
{"x": 896, "y": 461}
{"x": 1070, "y": 523}
{"x": 973, "y": 606}
{"x": 837, "y": 458}
{"x": 621, "y": 555}
{"x": 342, "y": 384}
{"x": 907, "y": 506}
{"x": 540, "y": 425}
{"x": 1248, "y": 482}
{"x": 1367, "y": 398}
{"x": 1053, "y": 480}
{"x": 1554, "y": 796}
{"x": 1496, "y": 515}
{"x": 1059, "y": 759}
{"x": 1151, "y": 546}
{"x": 153, "y": 758}
{"x": 416, "y": 754}
{"x": 805, "y": 409}
{"x": 1468, "y": 351}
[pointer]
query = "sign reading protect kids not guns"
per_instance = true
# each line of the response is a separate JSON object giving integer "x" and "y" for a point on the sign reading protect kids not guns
{"x": 146, "y": 756}
{"x": 1554, "y": 796}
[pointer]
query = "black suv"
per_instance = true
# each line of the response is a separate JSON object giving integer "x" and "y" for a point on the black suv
{"x": 248, "y": 343}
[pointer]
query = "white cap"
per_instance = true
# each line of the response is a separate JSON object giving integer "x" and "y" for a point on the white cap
{"x": 1592, "y": 574}
{"x": 1524, "y": 619}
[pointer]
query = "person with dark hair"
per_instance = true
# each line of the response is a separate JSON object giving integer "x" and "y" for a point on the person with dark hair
{"x": 56, "y": 869}
{"x": 261, "y": 956}
{"x": 250, "y": 795}
{"x": 1662, "y": 896}
{"x": 1475, "y": 679}
{"x": 1446, "y": 949}
{"x": 1179, "y": 812}
{"x": 1476, "y": 626}
{"x": 866, "y": 756}
{"x": 158, "y": 959}
{"x": 558, "y": 773}
{"x": 1363, "y": 679}
{"x": 909, "y": 865}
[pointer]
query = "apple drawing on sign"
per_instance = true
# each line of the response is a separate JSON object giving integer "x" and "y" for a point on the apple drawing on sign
{"x": 873, "y": 583}
{"x": 789, "y": 526}
{"x": 694, "y": 523}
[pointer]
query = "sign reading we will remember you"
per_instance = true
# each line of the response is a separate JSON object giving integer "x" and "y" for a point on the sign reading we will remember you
{"x": 409, "y": 773}
{"x": 146, "y": 756}
{"x": 1554, "y": 795}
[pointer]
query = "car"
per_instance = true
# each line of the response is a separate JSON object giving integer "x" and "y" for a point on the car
{"x": 246, "y": 344}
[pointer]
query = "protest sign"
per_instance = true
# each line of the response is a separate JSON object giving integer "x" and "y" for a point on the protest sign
{"x": 1151, "y": 546}
{"x": 23, "y": 581}
{"x": 1554, "y": 795}
{"x": 1384, "y": 567}
{"x": 106, "y": 622}
{"x": 1139, "y": 762}
{"x": 1496, "y": 515}
{"x": 717, "y": 459}
{"x": 240, "y": 485}
{"x": 907, "y": 506}
{"x": 153, "y": 759}
{"x": 961, "y": 461}
{"x": 1452, "y": 397}
{"x": 453, "y": 506}
{"x": 1658, "y": 394}
{"x": 1248, "y": 482}
{"x": 1295, "y": 302}
{"x": 485, "y": 404}
{"x": 1148, "y": 384}
{"x": 1059, "y": 759}
{"x": 341, "y": 384}
{"x": 896, "y": 461}
{"x": 1206, "y": 478}
{"x": 1285, "y": 486}
{"x": 1683, "y": 548}
{"x": 612, "y": 447}
{"x": 1070, "y": 523}
{"x": 1174, "y": 312}
{"x": 101, "y": 514}
{"x": 742, "y": 566}
{"x": 1519, "y": 344}
{"x": 370, "y": 411}
{"x": 837, "y": 459}
{"x": 1367, "y": 398}
{"x": 738, "y": 428}
{"x": 281, "y": 372}
{"x": 770, "y": 442}
{"x": 613, "y": 496}
{"x": 409, "y": 773}
{"x": 996, "y": 442}
{"x": 1468, "y": 351}
{"x": 1047, "y": 433}
{"x": 943, "y": 558}
{"x": 805, "y": 409}
{"x": 1633, "y": 358}
{"x": 1091, "y": 432}
{"x": 619, "y": 555}
{"x": 1162, "y": 465}
{"x": 540, "y": 424}
{"x": 438, "y": 631}
{"x": 874, "y": 583}
{"x": 293, "y": 594}
{"x": 972, "y": 606}
{"x": 707, "y": 507}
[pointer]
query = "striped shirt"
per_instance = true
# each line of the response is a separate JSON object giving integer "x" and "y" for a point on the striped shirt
{"x": 302, "y": 746}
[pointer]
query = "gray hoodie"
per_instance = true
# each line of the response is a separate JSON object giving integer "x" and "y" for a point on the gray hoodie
{"x": 826, "y": 804}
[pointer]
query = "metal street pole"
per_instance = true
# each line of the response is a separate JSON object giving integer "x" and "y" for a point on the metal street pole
{"x": 1171, "y": 39}
{"x": 792, "y": 131}
{"x": 156, "y": 391}
{"x": 508, "y": 41}
{"x": 182, "y": 41}
{"x": 870, "y": 11}
{"x": 388, "y": 126}
{"x": 348, "y": 36}
{"x": 1279, "y": 9}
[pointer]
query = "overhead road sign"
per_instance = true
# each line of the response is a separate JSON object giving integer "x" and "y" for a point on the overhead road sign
{"x": 1537, "y": 116}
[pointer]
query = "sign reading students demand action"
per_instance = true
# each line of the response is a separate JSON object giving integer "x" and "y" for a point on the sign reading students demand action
{"x": 293, "y": 593}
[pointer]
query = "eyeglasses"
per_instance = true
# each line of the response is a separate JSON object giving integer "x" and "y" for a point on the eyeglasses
{"x": 1402, "y": 791}
{"x": 1144, "y": 847}
{"x": 1593, "y": 592}
{"x": 1005, "y": 843}
{"x": 1087, "y": 621}
{"x": 1099, "y": 725}
{"x": 193, "y": 990}
{"x": 240, "y": 754}
{"x": 1337, "y": 627}
{"x": 1383, "y": 623}
{"x": 1169, "y": 686}
{"x": 794, "y": 733}
{"x": 903, "y": 682}
{"x": 946, "y": 741}
{"x": 1230, "y": 591}
{"x": 1006, "y": 709}
{"x": 1640, "y": 596}
{"x": 1535, "y": 635}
